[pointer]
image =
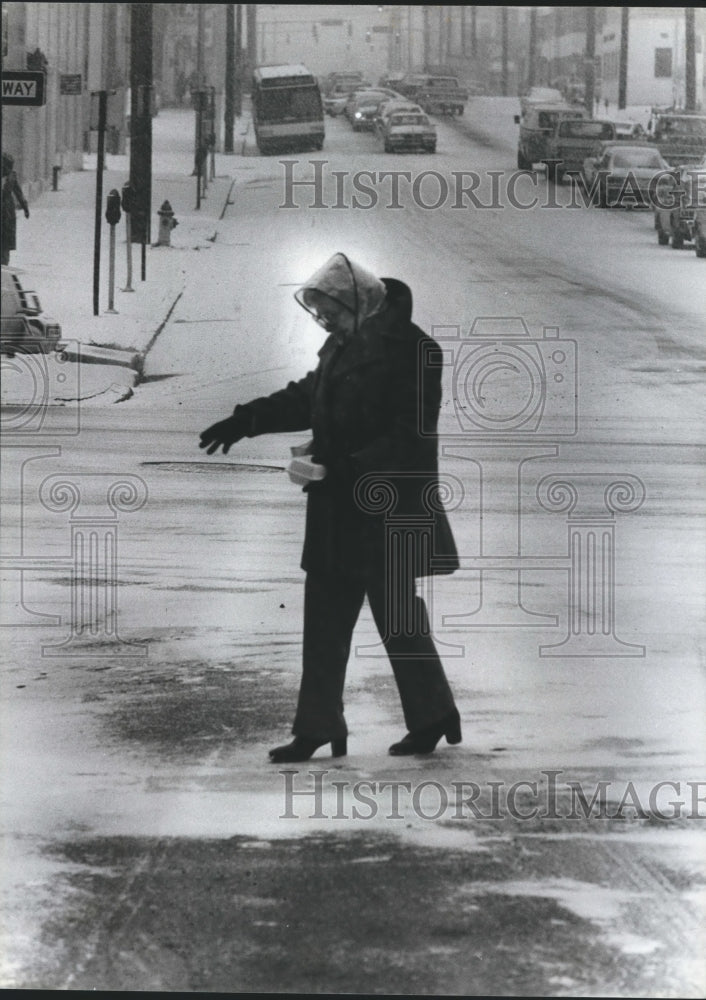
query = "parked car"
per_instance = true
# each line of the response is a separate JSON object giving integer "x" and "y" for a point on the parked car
{"x": 403, "y": 131}
{"x": 624, "y": 174}
{"x": 537, "y": 121}
{"x": 628, "y": 131}
{"x": 573, "y": 140}
{"x": 24, "y": 326}
{"x": 681, "y": 194}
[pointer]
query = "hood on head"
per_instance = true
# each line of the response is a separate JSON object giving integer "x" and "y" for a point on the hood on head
{"x": 347, "y": 283}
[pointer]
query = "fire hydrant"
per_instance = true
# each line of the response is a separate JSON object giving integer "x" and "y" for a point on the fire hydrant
{"x": 167, "y": 222}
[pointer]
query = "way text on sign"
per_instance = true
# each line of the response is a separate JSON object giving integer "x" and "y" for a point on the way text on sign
{"x": 23, "y": 88}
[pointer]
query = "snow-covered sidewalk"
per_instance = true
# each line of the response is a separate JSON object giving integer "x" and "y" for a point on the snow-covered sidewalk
{"x": 56, "y": 252}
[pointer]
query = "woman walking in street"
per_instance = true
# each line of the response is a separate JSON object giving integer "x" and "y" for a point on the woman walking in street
{"x": 366, "y": 404}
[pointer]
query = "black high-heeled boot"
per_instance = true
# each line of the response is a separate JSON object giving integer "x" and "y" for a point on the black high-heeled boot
{"x": 425, "y": 740}
{"x": 301, "y": 748}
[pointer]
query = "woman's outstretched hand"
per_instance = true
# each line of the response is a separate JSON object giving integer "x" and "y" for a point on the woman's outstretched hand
{"x": 225, "y": 433}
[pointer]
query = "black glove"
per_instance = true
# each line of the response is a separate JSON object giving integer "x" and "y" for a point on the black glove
{"x": 226, "y": 432}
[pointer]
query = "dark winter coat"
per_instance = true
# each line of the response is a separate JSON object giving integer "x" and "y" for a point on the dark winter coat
{"x": 372, "y": 404}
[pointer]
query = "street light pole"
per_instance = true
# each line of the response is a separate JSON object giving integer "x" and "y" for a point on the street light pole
{"x": 623, "y": 66}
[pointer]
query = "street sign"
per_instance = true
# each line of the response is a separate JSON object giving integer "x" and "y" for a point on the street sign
{"x": 23, "y": 88}
{"x": 94, "y": 118}
{"x": 70, "y": 83}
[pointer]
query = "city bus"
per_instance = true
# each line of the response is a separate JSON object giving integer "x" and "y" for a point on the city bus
{"x": 287, "y": 109}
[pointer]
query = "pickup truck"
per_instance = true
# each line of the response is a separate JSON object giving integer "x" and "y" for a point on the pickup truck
{"x": 538, "y": 122}
{"x": 572, "y": 141}
{"x": 680, "y": 138}
{"x": 436, "y": 94}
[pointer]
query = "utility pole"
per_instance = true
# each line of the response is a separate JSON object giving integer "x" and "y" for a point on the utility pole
{"x": 251, "y": 25}
{"x": 199, "y": 46}
{"x": 141, "y": 121}
{"x": 200, "y": 170}
{"x": 230, "y": 78}
{"x": 623, "y": 64}
{"x": 503, "y": 43}
{"x": 440, "y": 51}
{"x": 690, "y": 61}
{"x": 238, "y": 75}
{"x": 590, "y": 61}
{"x": 532, "y": 55}
{"x": 474, "y": 32}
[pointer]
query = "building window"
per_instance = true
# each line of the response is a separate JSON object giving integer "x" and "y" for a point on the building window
{"x": 663, "y": 62}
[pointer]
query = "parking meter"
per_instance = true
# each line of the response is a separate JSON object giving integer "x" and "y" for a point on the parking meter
{"x": 128, "y": 197}
{"x": 112, "y": 211}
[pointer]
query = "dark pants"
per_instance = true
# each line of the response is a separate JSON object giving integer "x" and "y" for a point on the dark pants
{"x": 332, "y": 605}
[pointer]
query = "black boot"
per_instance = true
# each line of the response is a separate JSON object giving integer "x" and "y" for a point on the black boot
{"x": 301, "y": 748}
{"x": 425, "y": 740}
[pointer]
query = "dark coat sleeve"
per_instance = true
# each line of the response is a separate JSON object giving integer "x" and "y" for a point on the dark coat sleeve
{"x": 409, "y": 443}
{"x": 288, "y": 409}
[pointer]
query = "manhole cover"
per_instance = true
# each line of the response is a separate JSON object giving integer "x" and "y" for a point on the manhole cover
{"x": 232, "y": 467}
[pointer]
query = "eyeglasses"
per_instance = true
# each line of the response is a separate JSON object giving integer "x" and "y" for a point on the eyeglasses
{"x": 327, "y": 319}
